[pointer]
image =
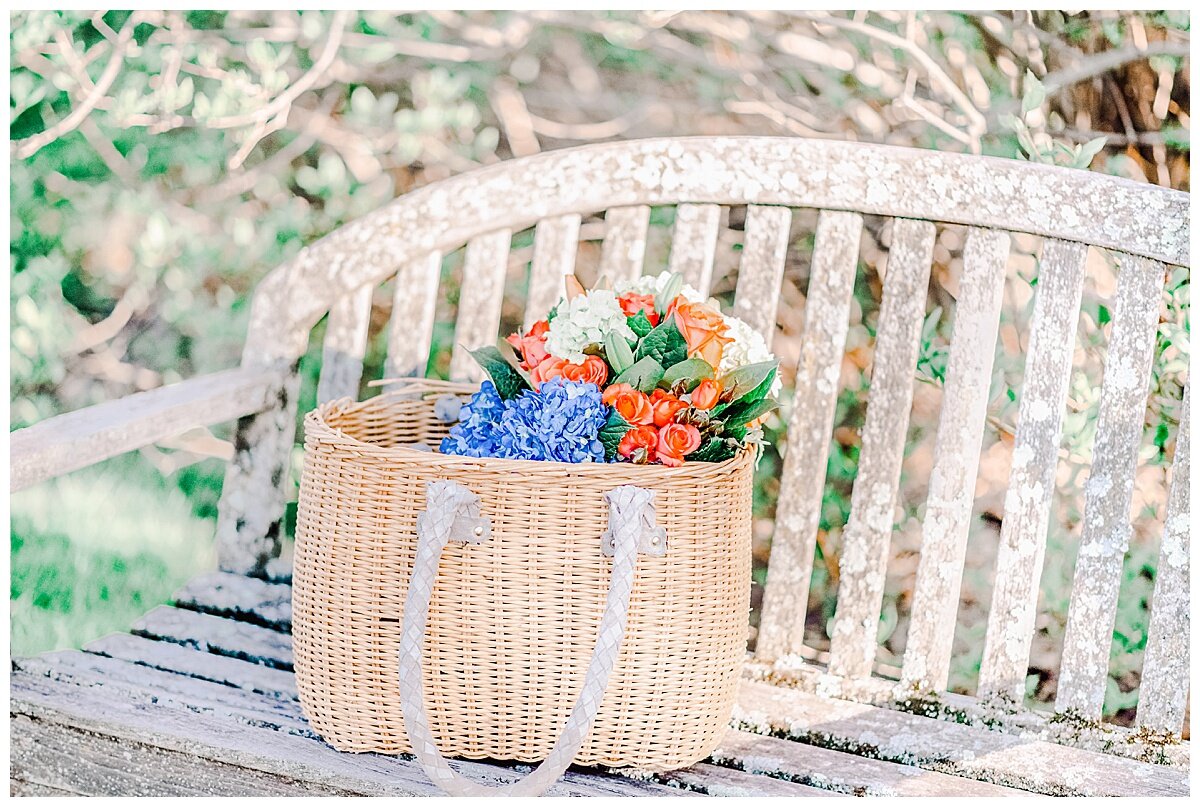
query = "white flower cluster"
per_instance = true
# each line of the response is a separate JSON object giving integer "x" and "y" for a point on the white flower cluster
{"x": 583, "y": 321}
{"x": 747, "y": 347}
{"x": 650, "y": 284}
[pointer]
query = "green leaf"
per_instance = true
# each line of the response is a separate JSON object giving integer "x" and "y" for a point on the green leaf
{"x": 639, "y": 323}
{"x": 1035, "y": 93}
{"x": 644, "y": 375}
{"x": 510, "y": 355}
{"x": 717, "y": 449}
{"x": 507, "y": 379}
{"x": 1088, "y": 151}
{"x": 749, "y": 378}
{"x": 692, "y": 371}
{"x": 612, "y": 432}
{"x": 665, "y": 344}
{"x": 618, "y": 352}
{"x": 744, "y": 411}
{"x": 669, "y": 293}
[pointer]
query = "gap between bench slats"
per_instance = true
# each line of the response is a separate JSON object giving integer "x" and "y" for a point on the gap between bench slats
{"x": 555, "y": 242}
{"x": 1031, "y": 482}
{"x": 1162, "y": 704}
{"x": 823, "y": 343}
{"x": 1083, "y": 676}
{"x": 956, "y": 460}
{"x": 414, "y": 303}
{"x": 865, "y": 543}
{"x": 624, "y": 247}
{"x": 479, "y": 301}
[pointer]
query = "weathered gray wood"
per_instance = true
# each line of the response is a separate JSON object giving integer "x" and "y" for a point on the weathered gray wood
{"x": 840, "y": 772}
{"x": 345, "y": 345}
{"x": 1031, "y": 482}
{"x": 624, "y": 246}
{"x": 948, "y": 747}
{"x": 65, "y": 759}
{"x": 216, "y": 635}
{"x": 410, "y": 329}
{"x": 257, "y": 482}
{"x": 164, "y": 725}
{"x": 873, "y": 501}
{"x": 1162, "y": 705}
{"x": 242, "y": 598}
{"x": 761, "y": 270}
{"x": 694, "y": 244}
{"x": 712, "y": 780}
{"x": 77, "y": 439}
{"x": 1138, "y": 218}
{"x": 479, "y": 301}
{"x": 956, "y": 461}
{"x": 1083, "y": 675}
{"x": 827, "y": 319}
{"x": 199, "y": 664}
{"x": 555, "y": 242}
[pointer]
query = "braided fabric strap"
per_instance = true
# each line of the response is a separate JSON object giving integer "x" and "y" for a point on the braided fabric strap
{"x": 446, "y": 501}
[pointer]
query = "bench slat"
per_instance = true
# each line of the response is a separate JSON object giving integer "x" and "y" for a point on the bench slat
{"x": 414, "y": 305}
{"x": 482, "y": 293}
{"x": 216, "y": 635}
{"x": 715, "y": 781}
{"x": 827, "y": 319}
{"x": 345, "y": 345}
{"x": 624, "y": 246}
{"x": 1083, "y": 676}
{"x": 1162, "y": 705}
{"x": 956, "y": 460}
{"x": 1031, "y": 482}
{"x": 761, "y": 271}
{"x": 555, "y": 242}
{"x": 238, "y": 597}
{"x": 853, "y": 643}
{"x": 1004, "y": 759}
{"x": 694, "y": 244}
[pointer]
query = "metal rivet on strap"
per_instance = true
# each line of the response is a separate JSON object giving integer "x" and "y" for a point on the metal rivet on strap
{"x": 478, "y": 531}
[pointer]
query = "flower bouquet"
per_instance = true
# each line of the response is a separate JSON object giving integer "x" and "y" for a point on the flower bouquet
{"x": 648, "y": 372}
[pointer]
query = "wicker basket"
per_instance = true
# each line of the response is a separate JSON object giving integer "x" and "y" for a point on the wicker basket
{"x": 513, "y": 621}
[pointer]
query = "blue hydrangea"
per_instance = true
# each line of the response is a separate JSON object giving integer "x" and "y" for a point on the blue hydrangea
{"x": 475, "y": 433}
{"x": 561, "y": 422}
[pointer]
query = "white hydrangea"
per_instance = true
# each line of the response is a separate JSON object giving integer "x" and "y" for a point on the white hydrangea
{"x": 653, "y": 284}
{"x": 747, "y": 347}
{"x": 584, "y": 321}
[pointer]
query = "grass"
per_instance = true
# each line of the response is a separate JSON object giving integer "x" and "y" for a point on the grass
{"x": 93, "y": 551}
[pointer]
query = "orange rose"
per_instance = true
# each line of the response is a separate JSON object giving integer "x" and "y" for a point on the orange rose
{"x": 675, "y": 441}
{"x": 706, "y": 394}
{"x": 632, "y": 303}
{"x": 631, "y": 404}
{"x": 665, "y": 406}
{"x": 703, "y": 329}
{"x": 593, "y": 370}
{"x": 531, "y": 346}
{"x": 548, "y": 368}
{"x": 639, "y": 439}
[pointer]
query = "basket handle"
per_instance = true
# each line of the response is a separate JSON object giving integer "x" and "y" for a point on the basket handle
{"x": 452, "y": 514}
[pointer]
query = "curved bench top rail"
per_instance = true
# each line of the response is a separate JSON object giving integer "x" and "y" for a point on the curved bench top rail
{"x": 1067, "y": 204}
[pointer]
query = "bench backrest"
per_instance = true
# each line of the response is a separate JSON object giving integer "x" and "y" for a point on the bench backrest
{"x": 1144, "y": 228}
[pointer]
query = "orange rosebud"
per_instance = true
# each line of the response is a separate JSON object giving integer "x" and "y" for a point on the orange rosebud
{"x": 548, "y": 368}
{"x": 644, "y": 438}
{"x": 632, "y": 404}
{"x": 706, "y": 394}
{"x": 531, "y": 346}
{"x": 665, "y": 406}
{"x": 675, "y": 441}
{"x": 703, "y": 329}
{"x": 593, "y": 370}
{"x": 632, "y": 303}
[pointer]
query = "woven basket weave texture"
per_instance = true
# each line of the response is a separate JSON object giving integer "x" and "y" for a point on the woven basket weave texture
{"x": 513, "y": 622}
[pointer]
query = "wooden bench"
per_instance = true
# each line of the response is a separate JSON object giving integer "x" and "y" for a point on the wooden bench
{"x": 200, "y": 697}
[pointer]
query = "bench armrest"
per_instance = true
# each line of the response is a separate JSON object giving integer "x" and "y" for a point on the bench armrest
{"x": 77, "y": 439}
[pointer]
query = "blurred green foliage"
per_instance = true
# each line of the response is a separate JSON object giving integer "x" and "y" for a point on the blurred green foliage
{"x": 218, "y": 143}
